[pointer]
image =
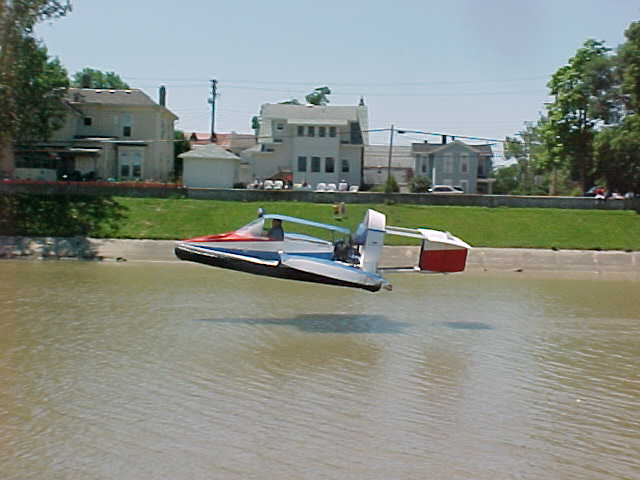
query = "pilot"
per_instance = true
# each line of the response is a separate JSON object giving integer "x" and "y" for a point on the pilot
{"x": 276, "y": 232}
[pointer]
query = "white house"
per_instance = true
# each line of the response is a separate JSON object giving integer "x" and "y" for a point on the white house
{"x": 209, "y": 166}
{"x": 315, "y": 143}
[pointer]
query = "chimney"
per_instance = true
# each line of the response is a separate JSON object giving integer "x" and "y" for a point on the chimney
{"x": 162, "y": 95}
{"x": 444, "y": 139}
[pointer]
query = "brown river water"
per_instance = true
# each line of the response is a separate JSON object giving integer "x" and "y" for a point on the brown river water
{"x": 177, "y": 371}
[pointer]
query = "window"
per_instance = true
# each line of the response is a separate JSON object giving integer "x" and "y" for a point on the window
{"x": 88, "y": 121}
{"x": 124, "y": 171}
{"x": 464, "y": 164}
{"x": 315, "y": 164}
{"x": 302, "y": 164}
{"x": 137, "y": 171}
{"x": 300, "y": 131}
{"x": 280, "y": 126}
{"x": 126, "y": 131}
{"x": 448, "y": 164}
{"x": 424, "y": 166}
{"x": 311, "y": 131}
{"x": 329, "y": 165}
{"x": 277, "y": 140}
{"x": 332, "y": 131}
{"x": 322, "y": 131}
{"x": 345, "y": 166}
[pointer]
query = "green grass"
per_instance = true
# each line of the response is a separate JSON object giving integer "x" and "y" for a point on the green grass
{"x": 479, "y": 226}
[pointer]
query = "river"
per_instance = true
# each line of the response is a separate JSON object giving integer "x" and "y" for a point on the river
{"x": 178, "y": 371}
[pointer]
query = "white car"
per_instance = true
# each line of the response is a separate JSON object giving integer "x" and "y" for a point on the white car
{"x": 446, "y": 189}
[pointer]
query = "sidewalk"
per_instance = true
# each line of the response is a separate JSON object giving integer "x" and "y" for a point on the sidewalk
{"x": 545, "y": 263}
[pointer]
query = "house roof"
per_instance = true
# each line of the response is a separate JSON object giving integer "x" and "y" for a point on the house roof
{"x": 210, "y": 151}
{"x": 100, "y": 96}
{"x": 484, "y": 150}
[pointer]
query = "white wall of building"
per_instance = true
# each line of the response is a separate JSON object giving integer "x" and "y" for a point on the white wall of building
{"x": 209, "y": 173}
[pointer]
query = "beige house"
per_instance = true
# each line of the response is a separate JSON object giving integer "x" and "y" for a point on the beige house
{"x": 107, "y": 134}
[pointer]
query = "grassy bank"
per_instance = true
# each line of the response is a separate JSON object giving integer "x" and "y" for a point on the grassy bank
{"x": 481, "y": 227}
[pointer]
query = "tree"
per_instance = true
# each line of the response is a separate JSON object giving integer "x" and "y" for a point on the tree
{"x": 579, "y": 89}
{"x": 91, "y": 78}
{"x": 17, "y": 20}
{"x": 180, "y": 145}
{"x": 43, "y": 83}
{"x": 617, "y": 148}
{"x": 318, "y": 96}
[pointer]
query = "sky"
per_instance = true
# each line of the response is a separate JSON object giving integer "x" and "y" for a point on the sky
{"x": 461, "y": 67}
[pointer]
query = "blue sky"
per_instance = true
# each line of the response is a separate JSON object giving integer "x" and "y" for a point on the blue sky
{"x": 460, "y": 67}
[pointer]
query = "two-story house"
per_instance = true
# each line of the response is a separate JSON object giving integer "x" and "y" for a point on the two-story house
{"x": 455, "y": 163}
{"x": 315, "y": 143}
{"x": 116, "y": 134}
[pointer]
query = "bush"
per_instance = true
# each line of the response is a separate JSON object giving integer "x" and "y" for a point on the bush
{"x": 419, "y": 184}
{"x": 391, "y": 186}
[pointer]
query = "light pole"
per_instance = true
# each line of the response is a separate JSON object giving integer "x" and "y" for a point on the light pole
{"x": 390, "y": 154}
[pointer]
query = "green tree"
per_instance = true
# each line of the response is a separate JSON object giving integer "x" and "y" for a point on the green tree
{"x": 39, "y": 93}
{"x": 578, "y": 89}
{"x": 507, "y": 179}
{"x": 91, "y": 78}
{"x": 318, "y": 96}
{"x": 617, "y": 148}
{"x": 180, "y": 145}
{"x": 17, "y": 20}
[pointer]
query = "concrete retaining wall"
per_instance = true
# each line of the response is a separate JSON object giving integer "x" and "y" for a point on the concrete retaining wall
{"x": 550, "y": 263}
{"x": 490, "y": 201}
{"x": 134, "y": 189}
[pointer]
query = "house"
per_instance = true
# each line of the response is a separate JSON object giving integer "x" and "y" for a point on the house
{"x": 455, "y": 163}
{"x": 315, "y": 143}
{"x": 376, "y": 165}
{"x": 209, "y": 166}
{"x": 117, "y": 134}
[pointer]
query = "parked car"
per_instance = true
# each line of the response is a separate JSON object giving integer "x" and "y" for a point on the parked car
{"x": 321, "y": 187}
{"x": 446, "y": 189}
{"x": 268, "y": 185}
{"x": 278, "y": 185}
{"x": 331, "y": 187}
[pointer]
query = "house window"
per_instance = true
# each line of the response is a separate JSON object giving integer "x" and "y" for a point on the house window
{"x": 315, "y": 164}
{"x": 345, "y": 166}
{"x": 322, "y": 131}
{"x": 332, "y": 131}
{"x": 329, "y": 165}
{"x": 124, "y": 171}
{"x": 302, "y": 164}
{"x": 300, "y": 131}
{"x": 88, "y": 121}
{"x": 424, "y": 166}
{"x": 126, "y": 131}
{"x": 464, "y": 164}
{"x": 280, "y": 126}
{"x": 480, "y": 169}
{"x": 448, "y": 164}
{"x": 311, "y": 131}
{"x": 277, "y": 140}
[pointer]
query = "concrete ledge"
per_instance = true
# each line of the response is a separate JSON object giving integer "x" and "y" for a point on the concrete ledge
{"x": 571, "y": 263}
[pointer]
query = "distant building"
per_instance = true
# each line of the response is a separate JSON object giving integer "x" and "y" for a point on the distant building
{"x": 313, "y": 143}
{"x": 376, "y": 165}
{"x": 118, "y": 134}
{"x": 209, "y": 166}
{"x": 456, "y": 164}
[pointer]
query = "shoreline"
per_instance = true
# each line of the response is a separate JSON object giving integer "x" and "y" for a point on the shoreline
{"x": 532, "y": 262}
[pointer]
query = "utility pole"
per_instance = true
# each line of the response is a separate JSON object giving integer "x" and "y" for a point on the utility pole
{"x": 212, "y": 101}
{"x": 390, "y": 154}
